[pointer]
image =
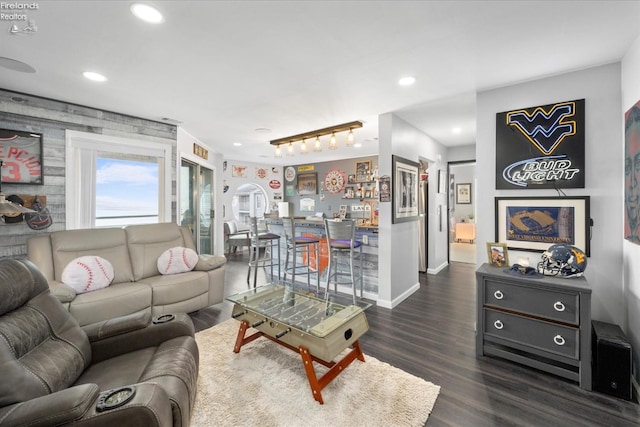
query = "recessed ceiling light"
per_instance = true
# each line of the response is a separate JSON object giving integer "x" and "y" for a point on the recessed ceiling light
{"x": 357, "y": 145}
{"x": 237, "y": 144}
{"x": 147, "y": 13}
{"x": 263, "y": 130}
{"x": 407, "y": 81}
{"x": 96, "y": 77}
{"x": 456, "y": 130}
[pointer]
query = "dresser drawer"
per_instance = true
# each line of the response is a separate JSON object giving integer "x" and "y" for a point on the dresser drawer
{"x": 536, "y": 301}
{"x": 538, "y": 334}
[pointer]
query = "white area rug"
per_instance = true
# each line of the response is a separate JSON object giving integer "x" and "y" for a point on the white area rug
{"x": 266, "y": 385}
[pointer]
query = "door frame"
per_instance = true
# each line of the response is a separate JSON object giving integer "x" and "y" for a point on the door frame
{"x": 196, "y": 233}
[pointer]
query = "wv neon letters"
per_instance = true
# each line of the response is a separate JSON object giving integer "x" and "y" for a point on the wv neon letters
{"x": 545, "y": 129}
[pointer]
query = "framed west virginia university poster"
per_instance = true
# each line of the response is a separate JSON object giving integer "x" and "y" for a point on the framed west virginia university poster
{"x": 535, "y": 223}
{"x": 541, "y": 147}
{"x": 21, "y": 155}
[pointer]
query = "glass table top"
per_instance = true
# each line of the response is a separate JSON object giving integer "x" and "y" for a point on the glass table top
{"x": 300, "y": 309}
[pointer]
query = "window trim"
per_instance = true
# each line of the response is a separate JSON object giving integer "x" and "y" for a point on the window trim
{"x": 80, "y": 182}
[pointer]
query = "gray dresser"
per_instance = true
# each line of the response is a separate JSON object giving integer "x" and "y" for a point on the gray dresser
{"x": 544, "y": 323}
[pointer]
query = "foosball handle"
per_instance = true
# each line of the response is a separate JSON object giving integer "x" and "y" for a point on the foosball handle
{"x": 258, "y": 323}
{"x": 283, "y": 333}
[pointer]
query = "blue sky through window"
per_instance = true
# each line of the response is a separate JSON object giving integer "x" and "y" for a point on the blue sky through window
{"x": 126, "y": 188}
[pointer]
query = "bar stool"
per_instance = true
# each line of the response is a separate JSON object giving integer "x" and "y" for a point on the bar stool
{"x": 343, "y": 245}
{"x": 259, "y": 241}
{"x": 303, "y": 245}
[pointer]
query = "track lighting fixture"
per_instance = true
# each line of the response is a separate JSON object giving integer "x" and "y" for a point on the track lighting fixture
{"x": 317, "y": 146}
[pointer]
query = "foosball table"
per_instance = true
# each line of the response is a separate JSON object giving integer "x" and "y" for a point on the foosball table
{"x": 317, "y": 328}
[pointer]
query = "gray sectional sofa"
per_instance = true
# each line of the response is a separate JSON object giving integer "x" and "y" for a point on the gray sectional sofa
{"x": 137, "y": 286}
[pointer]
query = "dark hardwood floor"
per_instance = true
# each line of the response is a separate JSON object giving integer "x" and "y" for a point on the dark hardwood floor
{"x": 432, "y": 336}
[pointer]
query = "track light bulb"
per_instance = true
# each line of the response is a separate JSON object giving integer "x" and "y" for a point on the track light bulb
{"x": 278, "y": 154}
{"x": 332, "y": 142}
{"x": 317, "y": 146}
{"x": 303, "y": 147}
{"x": 290, "y": 149}
{"x": 350, "y": 138}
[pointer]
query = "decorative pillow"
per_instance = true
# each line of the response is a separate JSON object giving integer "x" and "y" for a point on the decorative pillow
{"x": 88, "y": 273}
{"x": 177, "y": 260}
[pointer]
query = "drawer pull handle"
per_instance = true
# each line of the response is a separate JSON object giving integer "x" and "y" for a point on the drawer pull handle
{"x": 559, "y": 306}
{"x": 498, "y": 324}
{"x": 559, "y": 340}
{"x": 498, "y": 295}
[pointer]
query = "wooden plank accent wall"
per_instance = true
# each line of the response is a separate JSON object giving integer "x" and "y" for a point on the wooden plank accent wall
{"x": 52, "y": 118}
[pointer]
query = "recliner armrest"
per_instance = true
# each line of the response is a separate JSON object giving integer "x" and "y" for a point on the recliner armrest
{"x": 152, "y": 335}
{"x": 117, "y": 326}
{"x": 64, "y": 406}
{"x": 150, "y": 406}
{"x": 210, "y": 262}
{"x": 63, "y": 292}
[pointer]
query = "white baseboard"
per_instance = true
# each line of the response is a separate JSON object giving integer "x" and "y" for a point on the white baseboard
{"x": 437, "y": 269}
{"x": 399, "y": 299}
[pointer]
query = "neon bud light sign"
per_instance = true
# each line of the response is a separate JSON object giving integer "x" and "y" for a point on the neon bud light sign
{"x": 540, "y": 169}
{"x": 541, "y": 146}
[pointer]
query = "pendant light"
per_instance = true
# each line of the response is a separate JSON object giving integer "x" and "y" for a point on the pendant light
{"x": 333, "y": 144}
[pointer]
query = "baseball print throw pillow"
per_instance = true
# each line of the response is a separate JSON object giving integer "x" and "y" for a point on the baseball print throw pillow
{"x": 177, "y": 260}
{"x": 88, "y": 273}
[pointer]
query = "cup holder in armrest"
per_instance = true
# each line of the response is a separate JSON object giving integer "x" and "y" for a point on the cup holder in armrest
{"x": 164, "y": 318}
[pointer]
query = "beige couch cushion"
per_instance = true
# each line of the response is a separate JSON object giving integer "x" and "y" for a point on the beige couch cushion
{"x": 119, "y": 299}
{"x": 177, "y": 287}
{"x": 108, "y": 243}
{"x": 147, "y": 242}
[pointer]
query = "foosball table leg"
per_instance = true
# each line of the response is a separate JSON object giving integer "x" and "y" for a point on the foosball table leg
{"x": 316, "y": 389}
{"x": 318, "y": 384}
{"x": 241, "y": 340}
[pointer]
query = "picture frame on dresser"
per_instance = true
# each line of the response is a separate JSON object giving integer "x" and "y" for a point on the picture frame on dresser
{"x": 497, "y": 254}
{"x": 21, "y": 156}
{"x": 536, "y": 223}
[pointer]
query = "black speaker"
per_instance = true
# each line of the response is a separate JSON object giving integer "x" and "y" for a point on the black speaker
{"x": 611, "y": 359}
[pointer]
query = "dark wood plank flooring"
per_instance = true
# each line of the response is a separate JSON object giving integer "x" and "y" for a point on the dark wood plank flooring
{"x": 432, "y": 336}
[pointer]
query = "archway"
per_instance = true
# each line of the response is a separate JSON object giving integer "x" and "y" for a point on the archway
{"x": 249, "y": 200}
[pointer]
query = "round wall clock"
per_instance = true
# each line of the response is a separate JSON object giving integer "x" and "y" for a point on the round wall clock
{"x": 334, "y": 181}
{"x": 289, "y": 173}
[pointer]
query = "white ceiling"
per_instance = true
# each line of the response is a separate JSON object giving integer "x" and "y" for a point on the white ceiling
{"x": 226, "y": 68}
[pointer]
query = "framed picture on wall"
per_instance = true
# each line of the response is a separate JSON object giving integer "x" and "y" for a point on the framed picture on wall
{"x": 363, "y": 171}
{"x": 535, "y": 223}
{"x": 463, "y": 194}
{"x": 307, "y": 183}
{"x": 405, "y": 190}
{"x": 632, "y": 174}
{"x": 21, "y": 154}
